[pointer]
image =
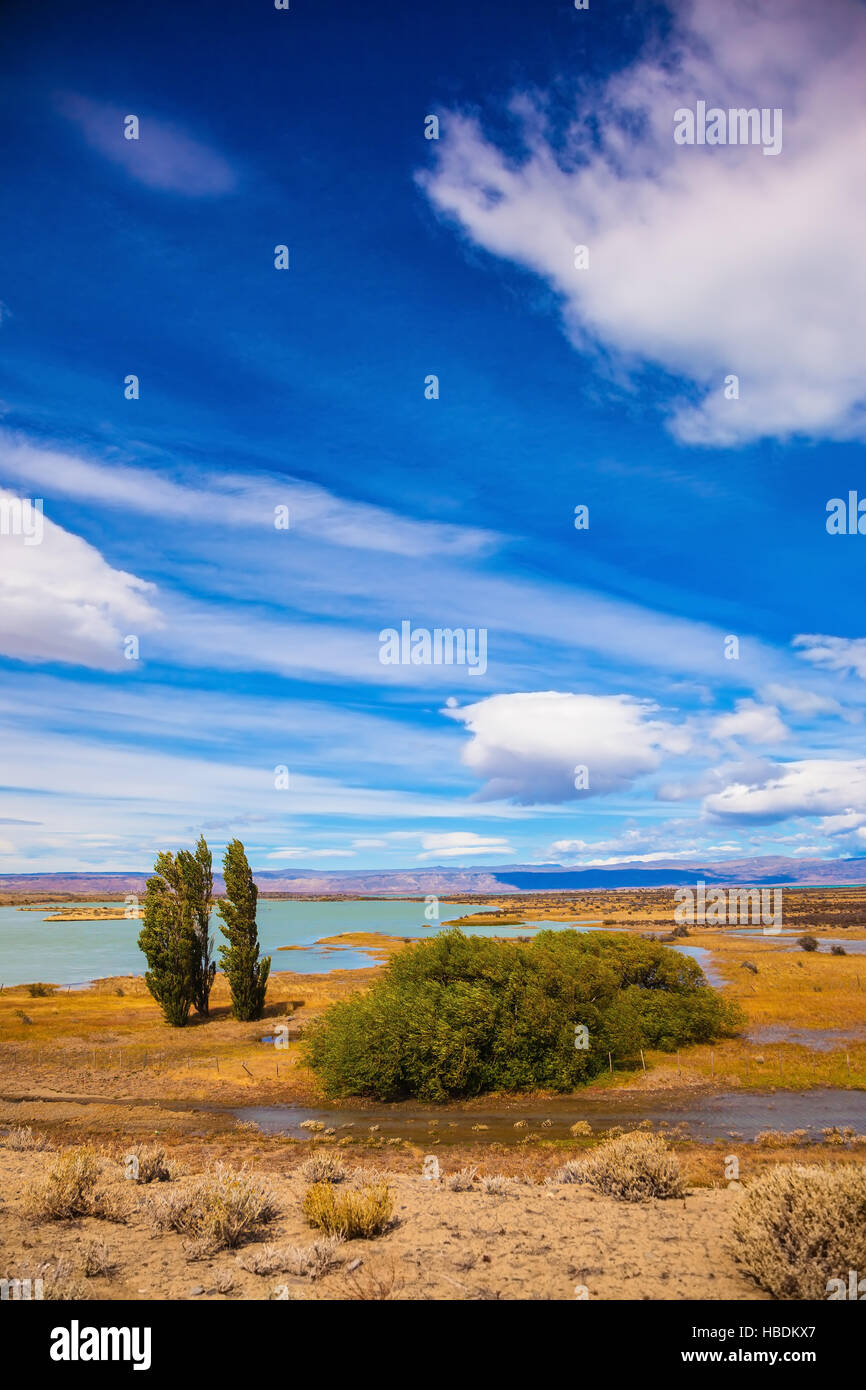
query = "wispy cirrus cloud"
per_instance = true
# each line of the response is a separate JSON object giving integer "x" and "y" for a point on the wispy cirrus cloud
{"x": 462, "y": 844}
{"x": 164, "y": 157}
{"x": 237, "y": 501}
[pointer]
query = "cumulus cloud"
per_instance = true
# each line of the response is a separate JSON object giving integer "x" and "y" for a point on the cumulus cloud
{"x": 704, "y": 260}
{"x": 163, "y": 157}
{"x": 751, "y": 722}
{"x": 527, "y": 745}
{"x": 61, "y": 601}
{"x": 818, "y": 786}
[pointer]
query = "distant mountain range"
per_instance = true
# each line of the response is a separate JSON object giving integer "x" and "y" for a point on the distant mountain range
{"x": 486, "y": 880}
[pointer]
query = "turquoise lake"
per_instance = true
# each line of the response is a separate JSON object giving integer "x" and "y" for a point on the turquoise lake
{"x": 74, "y": 953}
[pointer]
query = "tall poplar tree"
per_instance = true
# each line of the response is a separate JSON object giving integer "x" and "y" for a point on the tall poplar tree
{"x": 167, "y": 939}
{"x": 246, "y": 973}
{"x": 196, "y": 880}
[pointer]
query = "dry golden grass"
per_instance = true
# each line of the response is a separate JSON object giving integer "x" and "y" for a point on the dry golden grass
{"x": 22, "y": 1138}
{"x": 355, "y": 1213}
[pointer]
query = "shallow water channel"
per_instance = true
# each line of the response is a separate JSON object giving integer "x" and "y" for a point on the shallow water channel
{"x": 708, "y": 1116}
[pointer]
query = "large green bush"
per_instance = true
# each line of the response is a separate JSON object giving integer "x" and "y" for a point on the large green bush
{"x": 458, "y": 1015}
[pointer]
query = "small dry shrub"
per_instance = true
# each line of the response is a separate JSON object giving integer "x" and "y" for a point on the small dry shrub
{"x": 323, "y": 1167}
{"x": 355, "y": 1213}
{"x": 219, "y": 1209}
{"x": 40, "y": 990}
{"x": 99, "y": 1262}
{"x": 146, "y": 1163}
{"x": 581, "y": 1130}
{"x": 798, "y": 1226}
{"x": 633, "y": 1168}
{"x": 22, "y": 1138}
{"x": 311, "y": 1261}
{"x": 69, "y": 1189}
{"x": 378, "y": 1285}
{"x": 462, "y": 1180}
{"x": 497, "y": 1185}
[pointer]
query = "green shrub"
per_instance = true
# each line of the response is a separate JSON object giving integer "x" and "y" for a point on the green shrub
{"x": 457, "y": 1015}
{"x": 807, "y": 943}
{"x": 798, "y": 1227}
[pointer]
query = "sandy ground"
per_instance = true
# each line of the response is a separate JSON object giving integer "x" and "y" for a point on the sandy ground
{"x": 537, "y": 1242}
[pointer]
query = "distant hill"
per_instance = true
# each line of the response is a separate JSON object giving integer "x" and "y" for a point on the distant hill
{"x": 486, "y": 880}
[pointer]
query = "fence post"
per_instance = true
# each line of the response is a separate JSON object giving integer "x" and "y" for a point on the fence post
{"x": 610, "y": 1063}
{"x": 642, "y": 1062}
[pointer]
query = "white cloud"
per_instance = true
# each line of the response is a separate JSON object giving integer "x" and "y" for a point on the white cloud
{"x": 818, "y": 786}
{"x": 704, "y": 261}
{"x": 300, "y": 852}
{"x": 527, "y": 745}
{"x": 806, "y": 702}
{"x": 237, "y": 501}
{"x": 61, "y": 601}
{"x": 846, "y": 655}
{"x": 163, "y": 157}
{"x": 752, "y": 722}
{"x": 462, "y": 844}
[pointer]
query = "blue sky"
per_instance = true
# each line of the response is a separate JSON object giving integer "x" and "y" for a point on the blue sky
{"x": 305, "y": 388}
